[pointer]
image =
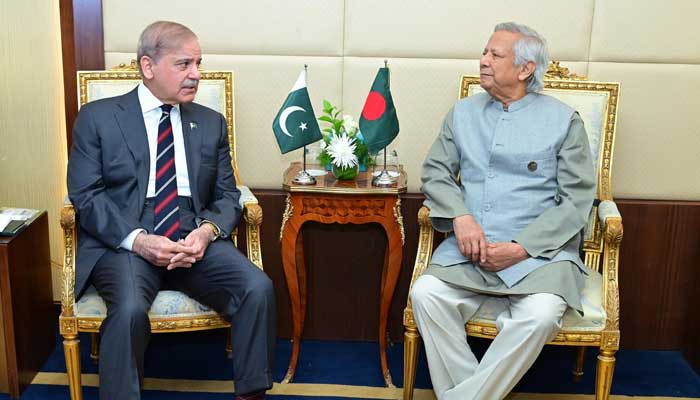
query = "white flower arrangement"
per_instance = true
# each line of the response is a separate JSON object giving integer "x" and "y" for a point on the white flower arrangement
{"x": 343, "y": 146}
{"x": 342, "y": 151}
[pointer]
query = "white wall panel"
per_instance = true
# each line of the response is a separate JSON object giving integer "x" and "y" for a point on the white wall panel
{"x": 429, "y": 45}
{"x": 261, "y": 84}
{"x": 459, "y": 28}
{"x": 309, "y": 27}
{"x": 423, "y": 91}
{"x": 646, "y": 31}
{"x": 657, "y": 149}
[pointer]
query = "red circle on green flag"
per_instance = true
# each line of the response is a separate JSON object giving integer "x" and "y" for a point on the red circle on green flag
{"x": 374, "y": 106}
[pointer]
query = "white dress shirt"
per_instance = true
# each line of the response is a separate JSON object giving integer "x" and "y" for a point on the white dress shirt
{"x": 150, "y": 107}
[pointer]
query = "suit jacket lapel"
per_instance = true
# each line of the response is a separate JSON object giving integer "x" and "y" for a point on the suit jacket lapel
{"x": 193, "y": 149}
{"x": 130, "y": 119}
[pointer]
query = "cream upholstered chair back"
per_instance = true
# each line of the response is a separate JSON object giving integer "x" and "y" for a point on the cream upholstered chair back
{"x": 215, "y": 91}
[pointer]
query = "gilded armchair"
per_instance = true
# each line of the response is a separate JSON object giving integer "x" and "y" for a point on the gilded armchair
{"x": 171, "y": 311}
{"x": 597, "y": 104}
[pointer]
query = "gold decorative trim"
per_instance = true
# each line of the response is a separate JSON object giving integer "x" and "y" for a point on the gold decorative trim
{"x": 68, "y": 325}
{"x": 555, "y": 71}
{"x": 92, "y": 324}
{"x": 610, "y": 340}
{"x": 68, "y": 278}
{"x": 341, "y": 190}
{"x": 132, "y": 66}
{"x": 253, "y": 216}
{"x": 399, "y": 219}
{"x": 611, "y": 295}
{"x": 592, "y": 260}
{"x": 423, "y": 255}
{"x": 288, "y": 212}
{"x": 568, "y": 337}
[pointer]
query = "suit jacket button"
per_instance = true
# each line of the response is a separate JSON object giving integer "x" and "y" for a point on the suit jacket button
{"x": 532, "y": 166}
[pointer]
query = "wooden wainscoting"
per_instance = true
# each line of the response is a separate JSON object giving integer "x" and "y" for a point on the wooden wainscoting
{"x": 659, "y": 274}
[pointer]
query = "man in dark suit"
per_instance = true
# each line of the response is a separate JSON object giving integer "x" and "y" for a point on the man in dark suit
{"x": 151, "y": 179}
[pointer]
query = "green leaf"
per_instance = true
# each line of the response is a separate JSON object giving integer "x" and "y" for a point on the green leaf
{"x": 325, "y": 119}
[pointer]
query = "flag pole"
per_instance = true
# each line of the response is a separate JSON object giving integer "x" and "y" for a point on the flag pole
{"x": 384, "y": 179}
{"x": 303, "y": 177}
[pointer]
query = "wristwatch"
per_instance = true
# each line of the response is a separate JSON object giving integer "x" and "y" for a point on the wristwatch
{"x": 214, "y": 228}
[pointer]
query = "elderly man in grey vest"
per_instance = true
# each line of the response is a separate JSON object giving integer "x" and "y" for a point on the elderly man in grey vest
{"x": 511, "y": 181}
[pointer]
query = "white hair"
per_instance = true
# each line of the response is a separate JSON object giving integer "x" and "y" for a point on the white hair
{"x": 531, "y": 47}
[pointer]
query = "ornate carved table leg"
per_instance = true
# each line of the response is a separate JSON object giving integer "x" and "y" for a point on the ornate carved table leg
{"x": 393, "y": 225}
{"x": 290, "y": 251}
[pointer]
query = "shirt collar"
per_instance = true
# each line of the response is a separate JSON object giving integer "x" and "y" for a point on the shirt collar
{"x": 149, "y": 101}
{"x": 516, "y": 105}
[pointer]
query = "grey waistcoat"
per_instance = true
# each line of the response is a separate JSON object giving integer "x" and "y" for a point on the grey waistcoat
{"x": 509, "y": 172}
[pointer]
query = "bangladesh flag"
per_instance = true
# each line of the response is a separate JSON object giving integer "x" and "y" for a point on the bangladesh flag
{"x": 378, "y": 123}
{"x": 295, "y": 125}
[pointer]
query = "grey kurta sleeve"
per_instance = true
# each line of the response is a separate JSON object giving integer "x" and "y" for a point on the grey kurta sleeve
{"x": 549, "y": 232}
{"x": 440, "y": 182}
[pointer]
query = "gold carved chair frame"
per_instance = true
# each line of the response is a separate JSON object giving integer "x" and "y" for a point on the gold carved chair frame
{"x": 597, "y": 105}
{"x": 216, "y": 92}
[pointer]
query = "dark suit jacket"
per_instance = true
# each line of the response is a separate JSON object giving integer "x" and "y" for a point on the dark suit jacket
{"x": 108, "y": 173}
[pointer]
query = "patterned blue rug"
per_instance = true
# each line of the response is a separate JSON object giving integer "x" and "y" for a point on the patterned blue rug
{"x": 195, "y": 366}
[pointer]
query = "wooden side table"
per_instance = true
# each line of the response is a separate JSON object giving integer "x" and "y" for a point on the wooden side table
{"x": 28, "y": 329}
{"x": 343, "y": 202}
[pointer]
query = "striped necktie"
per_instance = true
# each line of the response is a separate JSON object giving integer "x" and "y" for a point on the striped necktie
{"x": 167, "y": 216}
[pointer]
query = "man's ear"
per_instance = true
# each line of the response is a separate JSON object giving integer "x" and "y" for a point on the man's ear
{"x": 526, "y": 71}
{"x": 146, "y": 67}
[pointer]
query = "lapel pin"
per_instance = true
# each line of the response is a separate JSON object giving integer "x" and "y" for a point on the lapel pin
{"x": 193, "y": 125}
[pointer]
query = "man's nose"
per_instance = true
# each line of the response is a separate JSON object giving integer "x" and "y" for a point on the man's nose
{"x": 484, "y": 60}
{"x": 194, "y": 72}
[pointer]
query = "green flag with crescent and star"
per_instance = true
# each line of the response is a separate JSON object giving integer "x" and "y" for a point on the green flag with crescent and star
{"x": 295, "y": 125}
{"x": 378, "y": 122}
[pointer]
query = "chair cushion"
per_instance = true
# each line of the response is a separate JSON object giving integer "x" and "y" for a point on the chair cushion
{"x": 168, "y": 303}
{"x": 593, "y": 318}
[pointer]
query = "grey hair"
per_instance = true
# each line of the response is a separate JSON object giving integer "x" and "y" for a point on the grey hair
{"x": 159, "y": 37}
{"x": 531, "y": 47}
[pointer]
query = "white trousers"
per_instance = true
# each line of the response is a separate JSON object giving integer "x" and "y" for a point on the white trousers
{"x": 441, "y": 311}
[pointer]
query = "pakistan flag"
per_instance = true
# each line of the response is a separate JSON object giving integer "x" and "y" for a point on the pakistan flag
{"x": 295, "y": 125}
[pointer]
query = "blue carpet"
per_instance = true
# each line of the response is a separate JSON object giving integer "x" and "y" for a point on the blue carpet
{"x": 201, "y": 355}
{"x": 44, "y": 392}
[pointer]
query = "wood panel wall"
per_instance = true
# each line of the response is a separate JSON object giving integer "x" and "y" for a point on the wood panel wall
{"x": 659, "y": 271}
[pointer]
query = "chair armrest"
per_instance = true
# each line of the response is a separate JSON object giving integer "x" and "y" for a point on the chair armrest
{"x": 253, "y": 216}
{"x": 607, "y": 209}
{"x": 611, "y": 220}
{"x": 247, "y": 196}
{"x": 69, "y": 247}
{"x": 423, "y": 256}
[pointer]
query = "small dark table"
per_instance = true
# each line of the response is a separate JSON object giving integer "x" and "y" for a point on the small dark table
{"x": 28, "y": 329}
